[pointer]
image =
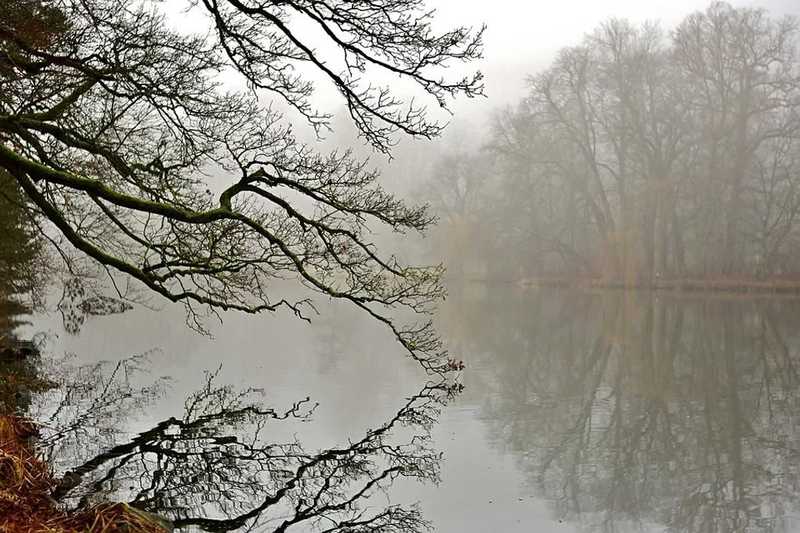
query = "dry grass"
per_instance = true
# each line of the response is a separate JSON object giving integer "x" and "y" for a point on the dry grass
{"x": 25, "y": 487}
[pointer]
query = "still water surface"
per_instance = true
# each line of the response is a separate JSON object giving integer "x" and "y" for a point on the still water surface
{"x": 603, "y": 411}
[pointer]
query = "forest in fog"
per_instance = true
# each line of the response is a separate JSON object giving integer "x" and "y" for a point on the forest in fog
{"x": 641, "y": 153}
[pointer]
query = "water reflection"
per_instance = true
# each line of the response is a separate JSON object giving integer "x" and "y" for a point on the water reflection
{"x": 223, "y": 465}
{"x": 227, "y": 463}
{"x": 81, "y": 299}
{"x": 623, "y": 411}
{"x": 643, "y": 411}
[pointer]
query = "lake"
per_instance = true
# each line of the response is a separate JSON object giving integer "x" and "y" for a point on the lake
{"x": 580, "y": 411}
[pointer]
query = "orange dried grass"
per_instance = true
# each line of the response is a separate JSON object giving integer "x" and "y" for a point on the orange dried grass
{"x": 25, "y": 487}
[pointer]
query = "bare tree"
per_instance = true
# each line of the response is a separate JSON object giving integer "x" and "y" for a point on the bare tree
{"x": 641, "y": 154}
{"x": 117, "y": 128}
{"x": 741, "y": 66}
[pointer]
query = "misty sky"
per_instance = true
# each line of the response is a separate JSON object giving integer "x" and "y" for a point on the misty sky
{"x": 523, "y": 36}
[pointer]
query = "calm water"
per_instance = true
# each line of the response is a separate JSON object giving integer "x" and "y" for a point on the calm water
{"x": 603, "y": 411}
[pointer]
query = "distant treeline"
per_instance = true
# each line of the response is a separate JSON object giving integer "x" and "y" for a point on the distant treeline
{"x": 641, "y": 154}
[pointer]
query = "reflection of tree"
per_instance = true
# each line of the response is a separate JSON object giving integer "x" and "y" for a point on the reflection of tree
{"x": 83, "y": 410}
{"x": 81, "y": 299}
{"x": 640, "y": 410}
{"x": 215, "y": 467}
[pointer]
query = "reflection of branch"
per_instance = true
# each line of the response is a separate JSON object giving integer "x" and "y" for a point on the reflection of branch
{"x": 211, "y": 469}
{"x": 162, "y": 430}
{"x": 81, "y": 412}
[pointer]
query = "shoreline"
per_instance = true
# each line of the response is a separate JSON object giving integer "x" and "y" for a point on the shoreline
{"x": 687, "y": 285}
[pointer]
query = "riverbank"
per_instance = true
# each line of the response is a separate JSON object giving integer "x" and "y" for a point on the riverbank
{"x": 26, "y": 484}
{"x": 784, "y": 286}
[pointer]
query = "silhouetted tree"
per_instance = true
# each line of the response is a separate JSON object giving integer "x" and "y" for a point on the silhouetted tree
{"x": 118, "y": 130}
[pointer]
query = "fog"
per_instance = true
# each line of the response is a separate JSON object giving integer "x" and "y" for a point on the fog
{"x": 646, "y": 164}
{"x": 625, "y": 143}
{"x": 523, "y": 37}
{"x": 295, "y": 266}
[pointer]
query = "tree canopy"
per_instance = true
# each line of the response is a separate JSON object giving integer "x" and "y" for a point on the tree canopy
{"x": 641, "y": 153}
{"x": 117, "y": 128}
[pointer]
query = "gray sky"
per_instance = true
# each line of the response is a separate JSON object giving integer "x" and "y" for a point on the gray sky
{"x": 523, "y": 36}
